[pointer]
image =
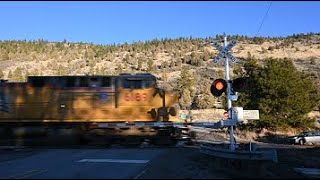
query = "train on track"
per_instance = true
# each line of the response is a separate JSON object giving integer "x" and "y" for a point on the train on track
{"x": 127, "y": 105}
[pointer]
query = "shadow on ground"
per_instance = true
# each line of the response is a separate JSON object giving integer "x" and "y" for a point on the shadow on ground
{"x": 274, "y": 138}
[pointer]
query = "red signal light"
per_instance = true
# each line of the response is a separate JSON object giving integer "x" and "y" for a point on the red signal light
{"x": 218, "y": 87}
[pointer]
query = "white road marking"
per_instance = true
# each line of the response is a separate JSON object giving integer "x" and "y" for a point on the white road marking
{"x": 140, "y": 174}
{"x": 26, "y": 174}
{"x": 33, "y": 174}
{"x": 114, "y": 161}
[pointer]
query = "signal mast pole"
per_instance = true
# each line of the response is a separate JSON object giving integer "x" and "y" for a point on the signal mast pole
{"x": 229, "y": 103}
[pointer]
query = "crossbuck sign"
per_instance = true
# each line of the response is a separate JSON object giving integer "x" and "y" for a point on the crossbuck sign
{"x": 224, "y": 51}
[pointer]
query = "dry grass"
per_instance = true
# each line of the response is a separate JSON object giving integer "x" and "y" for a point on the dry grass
{"x": 205, "y": 115}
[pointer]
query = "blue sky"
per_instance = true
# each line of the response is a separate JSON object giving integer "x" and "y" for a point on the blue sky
{"x": 120, "y": 21}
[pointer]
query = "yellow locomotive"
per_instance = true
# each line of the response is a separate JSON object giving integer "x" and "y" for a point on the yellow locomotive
{"x": 84, "y": 102}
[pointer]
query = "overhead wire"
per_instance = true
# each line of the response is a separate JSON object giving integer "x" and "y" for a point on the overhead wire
{"x": 264, "y": 17}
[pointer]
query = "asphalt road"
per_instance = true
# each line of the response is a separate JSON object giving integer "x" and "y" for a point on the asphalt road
{"x": 78, "y": 163}
{"x": 60, "y": 158}
{"x": 113, "y": 163}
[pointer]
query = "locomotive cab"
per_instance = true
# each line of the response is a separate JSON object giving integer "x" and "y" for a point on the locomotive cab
{"x": 138, "y": 81}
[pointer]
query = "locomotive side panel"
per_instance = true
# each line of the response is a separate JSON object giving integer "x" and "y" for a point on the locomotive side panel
{"x": 23, "y": 103}
{"x": 85, "y": 106}
{"x": 134, "y": 104}
{"x": 83, "y": 99}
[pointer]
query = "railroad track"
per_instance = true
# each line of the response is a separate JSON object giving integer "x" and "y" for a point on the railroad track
{"x": 30, "y": 143}
{"x": 70, "y": 141}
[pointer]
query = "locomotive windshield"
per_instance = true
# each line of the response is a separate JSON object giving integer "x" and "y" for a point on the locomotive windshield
{"x": 133, "y": 84}
{"x": 38, "y": 82}
{"x": 71, "y": 81}
{"x": 137, "y": 81}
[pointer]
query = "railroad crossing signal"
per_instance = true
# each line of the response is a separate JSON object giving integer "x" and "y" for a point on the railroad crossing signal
{"x": 224, "y": 51}
{"x": 239, "y": 84}
{"x": 218, "y": 87}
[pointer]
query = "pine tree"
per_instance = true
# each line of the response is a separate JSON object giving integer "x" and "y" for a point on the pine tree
{"x": 119, "y": 68}
{"x": 17, "y": 74}
{"x": 164, "y": 72}
{"x": 204, "y": 99}
{"x": 150, "y": 65}
{"x": 186, "y": 99}
{"x": 185, "y": 87}
{"x": 140, "y": 61}
{"x": 206, "y": 56}
{"x": 26, "y": 75}
{"x": 219, "y": 37}
{"x": 36, "y": 72}
{"x": 4, "y": 56}
{"x": 282, "y": 94}
{"x": 10, "y": 75}
{"x": 1, "y": 74}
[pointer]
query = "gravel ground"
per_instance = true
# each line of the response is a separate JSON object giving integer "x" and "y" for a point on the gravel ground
{"x": 182, "y": 163}
{"x": 289, "y": 157}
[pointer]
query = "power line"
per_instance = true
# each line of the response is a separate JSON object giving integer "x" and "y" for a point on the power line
{"x": 264, "y": 17}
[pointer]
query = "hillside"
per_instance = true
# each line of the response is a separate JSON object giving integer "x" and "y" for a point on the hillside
{"x": 54, "y": 58}
{"x": 164, "y": 58}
